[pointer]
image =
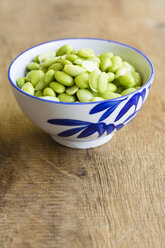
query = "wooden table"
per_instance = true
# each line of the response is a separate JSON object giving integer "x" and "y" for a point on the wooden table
{"x": 112, "y": 196}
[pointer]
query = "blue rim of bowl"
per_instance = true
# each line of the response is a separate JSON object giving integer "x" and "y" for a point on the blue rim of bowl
{"x": 82, "y": 103}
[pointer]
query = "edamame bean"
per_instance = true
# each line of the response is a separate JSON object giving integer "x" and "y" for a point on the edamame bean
{"x": 65, "y": 61}
{"x": 111, "y": 87}
{"x": 137, "y": 87}
{"x": 82, "y": 81}
{"x": 102, "y": 82}
{"x": 57, "y": 87}
{"x": 33, "y": 66}
{"x": 35, "y": 76}
{"x": 56, "y": 67}
{"x": 86, "y": 53}
{"x": 79, "y": 60}
{"x": 105, "y": 64}
{"x": 127, "y": 80}
{"x": 44, "y": 69}
{"x": 95, "y": 60}
{"x": 72, "y": 90}
{"x": 41, "y": 85}
{"x": 66, "y": 98}
{"x": 111, "y": 76}
{"x": 105, "y": 55}
{"x": 50, "y": 98}
{"x": 63, "y": 78}
{"x": 63, "y": 50}
{"x": 95, "y": 94}
{"x": 71, "y": 52}
{"x": 49, "y": 62}
{"x": 79, "y": 71}
{"x": 116, "y": 64}
{"x": 96, "y": 99}
{"x": 93, "y": 77}
{"x": 116, "y": 82}
{"x": 109, "y": 95}
{"x": 49, "y": 76}
{"x": 71, "y": 57}
{"x": 44, "y": 60}
{"x": 127, "y": 91}
{"x": 137, "y": 78}
{"x": 121, "y": 71}
{"x": 84, "y": 95}
{"x": 20, "y": 82}
{"x": 38, "y": 93}
{"x": 28, "y": 88}
{"x": 89, "y": 66}
{"x": 73, "y": 70}
{"x": 36, "y": 59}
{"x": 129, "y": 66}
{"x": 48, "y": 92}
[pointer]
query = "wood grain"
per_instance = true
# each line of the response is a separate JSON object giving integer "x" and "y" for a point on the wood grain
{"x": 56, "y": 197}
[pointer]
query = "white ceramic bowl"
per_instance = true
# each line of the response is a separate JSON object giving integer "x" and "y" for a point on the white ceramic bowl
{"x": 83, "y": 125}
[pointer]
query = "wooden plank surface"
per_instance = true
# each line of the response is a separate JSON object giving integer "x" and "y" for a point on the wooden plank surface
{"x": 56, "y": 197}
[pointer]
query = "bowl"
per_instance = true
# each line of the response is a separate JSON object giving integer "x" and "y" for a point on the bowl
{"x": 83, "y": 125}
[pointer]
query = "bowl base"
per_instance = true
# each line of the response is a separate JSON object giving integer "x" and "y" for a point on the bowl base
{"x": 83, "y": 144}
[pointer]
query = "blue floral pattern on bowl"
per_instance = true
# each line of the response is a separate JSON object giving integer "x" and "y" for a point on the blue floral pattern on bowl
{"x": 85, "y": 129}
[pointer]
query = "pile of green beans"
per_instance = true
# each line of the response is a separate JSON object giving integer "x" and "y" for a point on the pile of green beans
{"x": 68, "y": 75}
